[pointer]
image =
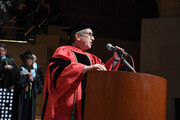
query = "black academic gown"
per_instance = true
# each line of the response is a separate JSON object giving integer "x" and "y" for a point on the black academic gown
{"x": 41, "y": 77}
{"x": 7, "y": 76}
{"x": 24, "y": 103}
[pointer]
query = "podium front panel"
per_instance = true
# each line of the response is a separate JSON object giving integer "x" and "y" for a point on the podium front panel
{"x": 119, "y": 95}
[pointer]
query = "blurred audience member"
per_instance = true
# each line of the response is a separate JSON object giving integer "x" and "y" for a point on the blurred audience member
{"x": 21, "y": 13}
{"x": 26, "y": 87}
{"x": 39, "y": 71}
{"x": 10, "y": 57}
{"x": 42, "y": 13}
{"x": 4, "y": 11}
{"x": 8, "y": 69}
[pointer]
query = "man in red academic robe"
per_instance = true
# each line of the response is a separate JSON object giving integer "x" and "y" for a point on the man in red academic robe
{"x": 65, "y": 81}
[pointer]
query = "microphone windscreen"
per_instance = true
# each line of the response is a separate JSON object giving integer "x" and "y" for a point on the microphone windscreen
{"x": 109, "y": 47}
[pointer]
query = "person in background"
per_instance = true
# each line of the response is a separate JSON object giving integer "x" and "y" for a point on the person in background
{"x": 10, "y": 57}
{"x": 8, "y": 69}
{"x": 42, "y": 13}
{"x": 65, "y": 81}
{"x": 5, "y": 5}
{"x": 21, "y": 13}
{"x": 26, "y": 87}
{"x": 39, "y": 71}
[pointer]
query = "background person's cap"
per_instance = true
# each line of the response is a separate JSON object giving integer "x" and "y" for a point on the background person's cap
{"x": 26, "y": 55}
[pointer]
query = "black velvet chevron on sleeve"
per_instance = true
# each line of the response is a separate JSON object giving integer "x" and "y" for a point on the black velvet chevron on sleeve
{"x": 61, "y": 64}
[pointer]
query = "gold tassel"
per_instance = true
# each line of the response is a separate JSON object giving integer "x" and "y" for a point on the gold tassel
{"x": 26, "y": 88}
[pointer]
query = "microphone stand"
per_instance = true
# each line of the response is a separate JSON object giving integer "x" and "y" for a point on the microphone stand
{"x": 126, "y": 62}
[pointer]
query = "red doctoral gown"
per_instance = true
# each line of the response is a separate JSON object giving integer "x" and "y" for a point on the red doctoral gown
{"x": 63, "y": 77}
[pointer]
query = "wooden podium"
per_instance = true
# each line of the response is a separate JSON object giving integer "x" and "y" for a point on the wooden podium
{"x": 119, "y": 95}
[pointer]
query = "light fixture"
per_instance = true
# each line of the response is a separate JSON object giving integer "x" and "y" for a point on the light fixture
{"x": 6, "y": 99}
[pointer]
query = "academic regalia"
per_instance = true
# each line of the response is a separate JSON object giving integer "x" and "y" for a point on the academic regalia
{"x": 63, "y": 77}
{"x": 40, "y": 74}
{"x": 25, "y": 92}
{"x": 7, "y": 75}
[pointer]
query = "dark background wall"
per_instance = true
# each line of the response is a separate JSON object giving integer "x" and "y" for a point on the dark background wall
{"x": 116, "y": 19}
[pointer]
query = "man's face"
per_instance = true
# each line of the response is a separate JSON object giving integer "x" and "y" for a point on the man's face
{"x": 2, "y": 52}
{"x": 86, "y": 39}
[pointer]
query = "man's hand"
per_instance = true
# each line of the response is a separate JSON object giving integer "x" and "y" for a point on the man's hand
{"x": 98, "y": 67}
{"x": 31, "y": 79}
{"x": 30, "y": 74}
{"x": 8, "y": 67}
{"x": 116, "y": 57}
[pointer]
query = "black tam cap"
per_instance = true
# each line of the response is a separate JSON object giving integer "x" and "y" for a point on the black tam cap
{"x": 26, "y": 55}
{"x": 78, "y": 27}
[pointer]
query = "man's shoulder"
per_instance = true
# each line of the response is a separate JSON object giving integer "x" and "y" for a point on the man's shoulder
{"x": 67, "y": 47}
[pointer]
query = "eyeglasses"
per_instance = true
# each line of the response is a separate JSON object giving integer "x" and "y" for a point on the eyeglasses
{"x": 2, "y": 50}
{"x": 89, "y": 34}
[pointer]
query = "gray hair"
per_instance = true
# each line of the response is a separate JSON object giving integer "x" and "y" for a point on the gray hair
{"x": 71, "y": 37}
{"x": 34, "y": 57}
{"x": 81, "y": 32}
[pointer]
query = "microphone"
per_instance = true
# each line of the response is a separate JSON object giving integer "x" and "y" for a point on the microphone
{"x": 112, "y": 48}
